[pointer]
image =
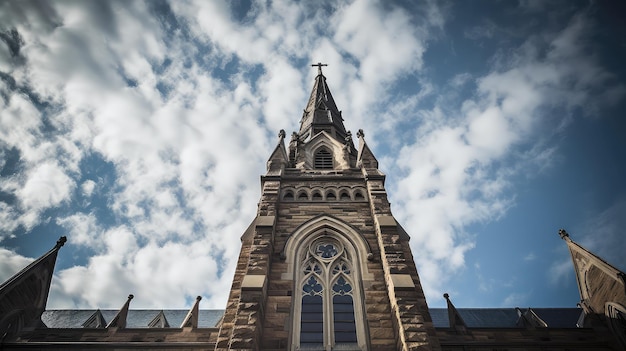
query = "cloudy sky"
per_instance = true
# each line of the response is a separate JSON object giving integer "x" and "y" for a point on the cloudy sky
{"x": 140, "y": 129}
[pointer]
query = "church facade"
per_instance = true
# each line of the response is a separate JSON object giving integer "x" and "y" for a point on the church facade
{"x": 323, "y": 266}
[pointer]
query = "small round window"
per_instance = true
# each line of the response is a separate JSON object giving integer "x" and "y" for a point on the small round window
{"x": 326, "y": 249}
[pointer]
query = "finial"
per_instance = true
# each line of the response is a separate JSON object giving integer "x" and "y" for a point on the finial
{"x": 281, "y": 134}
{"x": 446, "y": 296}
{"x": 319, "y": 67}
{"x": 131, "y": 296}
{"x": 348, "y": 137}
{"x": 198, "y": 298}
{"x": 61, "y": 241}
{"x": 563, "y": 234}
{"x": 360, "y": 134}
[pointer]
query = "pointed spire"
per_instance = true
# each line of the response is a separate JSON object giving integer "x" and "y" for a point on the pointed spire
{"x": 321, "y": 112}
{"x": 119, "y": 321}
{"x": 191, "y": 320}
{"x": 159, "y": 321}
{"x": 365, "y": 157}
{"x": 279, "y": 158}
{"x": 454, "y": 317}
{"x": 24, "y": 295}
{"x": 96, "y": 320}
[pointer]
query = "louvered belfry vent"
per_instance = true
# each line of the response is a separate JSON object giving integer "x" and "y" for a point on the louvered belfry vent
{"x": 323, "y": 159}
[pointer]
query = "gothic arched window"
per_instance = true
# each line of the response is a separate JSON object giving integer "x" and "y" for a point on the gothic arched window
{"x": 323, "y": 159}
{"x": 327, "y": 286}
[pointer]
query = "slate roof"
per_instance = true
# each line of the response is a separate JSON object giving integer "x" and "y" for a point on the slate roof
{"x": 473, "y": 317}
{"x": 506, "y": 317}
{"x": 135, "y": 319}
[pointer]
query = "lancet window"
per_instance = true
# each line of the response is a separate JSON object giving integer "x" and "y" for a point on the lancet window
{"x": 328, "y": 293}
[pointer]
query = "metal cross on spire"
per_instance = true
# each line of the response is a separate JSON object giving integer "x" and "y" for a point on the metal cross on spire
{"x": 319, "y": 67}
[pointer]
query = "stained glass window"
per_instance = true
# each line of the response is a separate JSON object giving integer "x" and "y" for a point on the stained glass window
{"x": 326, "y": 250}
{"x": 312, "y": 267}
{"x": 312, "y": 314}
{"x": 327, "y": 297}
{"x": 341, "y": 267}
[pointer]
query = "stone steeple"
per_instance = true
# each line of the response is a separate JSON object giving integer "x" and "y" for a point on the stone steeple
{"x": 324, "y": 265}
{"x": 322, "y": 141}
{"x": 321, "y": 112}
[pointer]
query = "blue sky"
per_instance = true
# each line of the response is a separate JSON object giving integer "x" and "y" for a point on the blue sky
{"x": 140, "y": 129}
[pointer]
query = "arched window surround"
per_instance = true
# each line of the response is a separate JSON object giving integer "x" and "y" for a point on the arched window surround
{"x": 323, "y": 158}
{"x": 329, "y": 229}
{"x": 317, "y": 195}
{"x": 331, "y": 195}
{"x": 288, "y": 195}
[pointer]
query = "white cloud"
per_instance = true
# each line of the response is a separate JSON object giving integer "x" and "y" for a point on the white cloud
{"x": 157, "y": 275}
{"x": 187, "y": 138}
{"x": 448, "y": 181}
{"x": 46, "y": 186}
{"x": 82, "y": 229}
{"x": 87, "y": 187}
{"x": 11, "y": 263}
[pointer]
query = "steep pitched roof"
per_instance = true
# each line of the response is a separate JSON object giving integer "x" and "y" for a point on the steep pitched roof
{"x": 505, "y": 317}
{"x": 135, "y": 319}
{"x": 472, "y": 317}
{"x": 598, "y": 281}
{"x": 25, "y": 294}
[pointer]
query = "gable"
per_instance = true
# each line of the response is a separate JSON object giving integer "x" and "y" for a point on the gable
{"x": 323, "y": 141}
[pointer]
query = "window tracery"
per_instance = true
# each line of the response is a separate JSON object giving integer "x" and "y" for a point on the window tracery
{"x": 327, "y": 297}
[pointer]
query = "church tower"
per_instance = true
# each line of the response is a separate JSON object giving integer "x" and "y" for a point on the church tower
{"x": 324, "y": 265}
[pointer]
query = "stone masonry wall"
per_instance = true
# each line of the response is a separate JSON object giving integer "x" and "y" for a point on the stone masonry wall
{"x": 258, "y": 315}
{"x": 410, "y": 316}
